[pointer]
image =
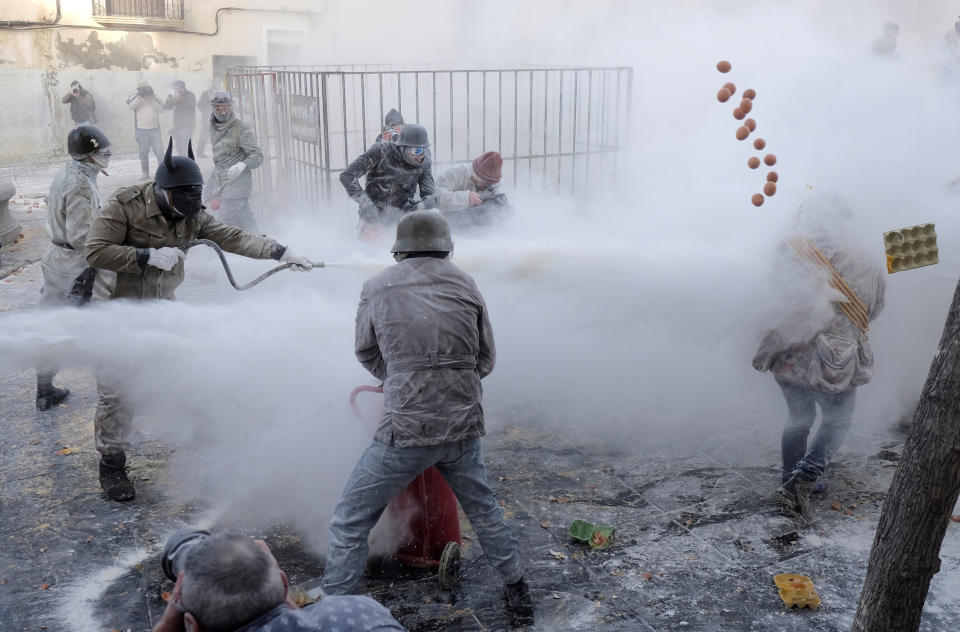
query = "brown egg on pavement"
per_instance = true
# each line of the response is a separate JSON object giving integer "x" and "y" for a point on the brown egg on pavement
{"x": 742, "y": 132}
{"x": 757, "y": 199}
{"x": 723, "y": 95}
{"x": 750, "y": 93}
{"x": 769, "y": 188}
{"x": 746, "y": 105}
{"x": 751, "y": 124}
{"x": 729, "y": 86}
{"x": 723, "y": 66}
{"x": 772, "y": 176}
{"x": 737, "y": 114}
{"x": 754, "y": 162}
{"x": 759, "y": 144}
{"x": 769, "y": 160}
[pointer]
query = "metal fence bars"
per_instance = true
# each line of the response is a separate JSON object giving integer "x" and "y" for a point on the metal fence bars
{"x": 558, "y": 129}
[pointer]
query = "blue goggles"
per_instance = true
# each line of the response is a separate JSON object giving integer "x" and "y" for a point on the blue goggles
{"x": 416, "y": 151}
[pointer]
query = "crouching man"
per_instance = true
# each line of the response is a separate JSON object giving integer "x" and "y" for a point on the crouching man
{"x": 470, "y": 195}
{"x": 139, "y": 234}
{"x": 422, "y": 328}
{"x": 231, "y": 582}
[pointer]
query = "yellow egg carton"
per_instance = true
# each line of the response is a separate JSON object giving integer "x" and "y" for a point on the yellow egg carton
{"x": 912, "y": 247}
{"x": 797, "y": 590}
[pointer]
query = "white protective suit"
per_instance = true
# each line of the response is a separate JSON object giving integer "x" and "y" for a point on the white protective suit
{"x": 74, "y": 200}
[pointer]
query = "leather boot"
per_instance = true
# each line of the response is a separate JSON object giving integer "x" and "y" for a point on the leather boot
{"x": 519, "y": 603}
{"x": 48, "y": 395}
{"x": 113, "y": 477}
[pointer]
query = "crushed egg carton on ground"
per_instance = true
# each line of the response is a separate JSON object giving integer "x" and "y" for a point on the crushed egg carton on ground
{"x": 797, "y": 590}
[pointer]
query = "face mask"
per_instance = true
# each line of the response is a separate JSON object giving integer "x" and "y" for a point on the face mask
{"x": 222, "y": 118}
{"x": 185, "y": 201}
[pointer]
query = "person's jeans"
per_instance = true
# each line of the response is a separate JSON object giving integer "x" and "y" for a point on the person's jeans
{"x": 383, "y": 472}
{"x": 181, "y": 137}
{"x": 148, "y": 139}
{"x": 836, "y": 413}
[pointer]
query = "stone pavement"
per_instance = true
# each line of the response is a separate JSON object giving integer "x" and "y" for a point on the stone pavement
{"x": 698, "y": 534}
{"x": 698, "y": 541}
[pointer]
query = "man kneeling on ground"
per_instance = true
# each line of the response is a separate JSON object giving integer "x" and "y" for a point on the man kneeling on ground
{"x": 470, "y": 195}
{"x": 233, "y": 583}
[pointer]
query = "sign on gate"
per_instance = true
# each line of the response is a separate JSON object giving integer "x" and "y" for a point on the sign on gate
{"x": 304, "y": 118}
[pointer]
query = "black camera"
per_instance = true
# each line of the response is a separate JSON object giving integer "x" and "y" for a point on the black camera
{"x": 176, "y": 549}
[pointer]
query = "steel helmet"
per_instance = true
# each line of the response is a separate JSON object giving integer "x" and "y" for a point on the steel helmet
{"x": 220, "y": 97}
{"x": 85, "y": 140}
{"x": 422, "y": 231}
{"x": 413, "y": 135}
{"x": 178, "y": 171}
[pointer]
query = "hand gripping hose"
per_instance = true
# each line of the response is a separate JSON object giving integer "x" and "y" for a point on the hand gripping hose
{"x": 226, "y": 266}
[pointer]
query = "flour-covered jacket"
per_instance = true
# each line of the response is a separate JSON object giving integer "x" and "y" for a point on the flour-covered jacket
{"x": 74, "y": 200}
{"x": 454, "y": 186}
{"x": 391, "y": 181}
{"x": 233, "y": 141}
{"x": 838, "y": 357}
{"x": 422, "y": 328}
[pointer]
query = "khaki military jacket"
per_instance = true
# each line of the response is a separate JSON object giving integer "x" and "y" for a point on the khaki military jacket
{"x": 132, "y": 219}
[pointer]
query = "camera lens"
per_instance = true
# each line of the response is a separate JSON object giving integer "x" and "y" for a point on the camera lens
{"x": 176, "y": 548}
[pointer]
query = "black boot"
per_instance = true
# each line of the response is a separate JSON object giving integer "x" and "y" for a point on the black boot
{"x": 48, "y": 395}
{"x": 113, "y": 477}
{"x": 519, "y": 603}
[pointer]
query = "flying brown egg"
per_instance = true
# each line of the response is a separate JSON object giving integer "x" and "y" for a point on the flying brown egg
{"x": 746, "y": 105}
{"x": 751, "y": 124}
{"x": 759, "y": 144}
{"x": 754, "y": 162}
{"x": 769, "y": 160}
{"x": 723, "y": 95}
{"x": 738, "y": 114}
{"x": 772, "y": 176}
{"x": 757, "y": 199}
{"x": 769, "y": 188}
{"x": 742, "y": 132}
{"x": 750, "y": 93}
{"x": 723, "y": 66}
{"x": 731, "y": 87}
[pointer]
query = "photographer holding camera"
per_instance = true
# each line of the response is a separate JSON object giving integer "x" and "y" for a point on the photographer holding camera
{"x": 146, "y": 123}
{"x": 82, "y": 106}
{"x": 184, "y": 106}
{"x": 228, "y": 582}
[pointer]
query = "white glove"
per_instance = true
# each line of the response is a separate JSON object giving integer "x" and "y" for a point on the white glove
{"x": 165, "y": 258}
{"x": 236, "y": 170}
{"x": 298, "y": 262}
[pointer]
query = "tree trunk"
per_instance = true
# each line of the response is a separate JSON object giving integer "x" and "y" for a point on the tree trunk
{"x": 916, "y": 513}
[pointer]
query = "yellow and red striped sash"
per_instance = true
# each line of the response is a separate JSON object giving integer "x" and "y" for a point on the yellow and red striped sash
{"x": 853, "y": 307}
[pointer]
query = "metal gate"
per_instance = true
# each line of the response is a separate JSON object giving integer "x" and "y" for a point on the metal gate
{"x": 557, "y": 129}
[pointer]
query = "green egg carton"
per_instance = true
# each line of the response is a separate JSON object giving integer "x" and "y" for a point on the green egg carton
{"x": 912, "y": 247}
{"x": 583, "y": 531}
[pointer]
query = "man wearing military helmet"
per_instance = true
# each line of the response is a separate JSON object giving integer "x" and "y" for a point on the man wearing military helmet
{"x": 74, "y": 200}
